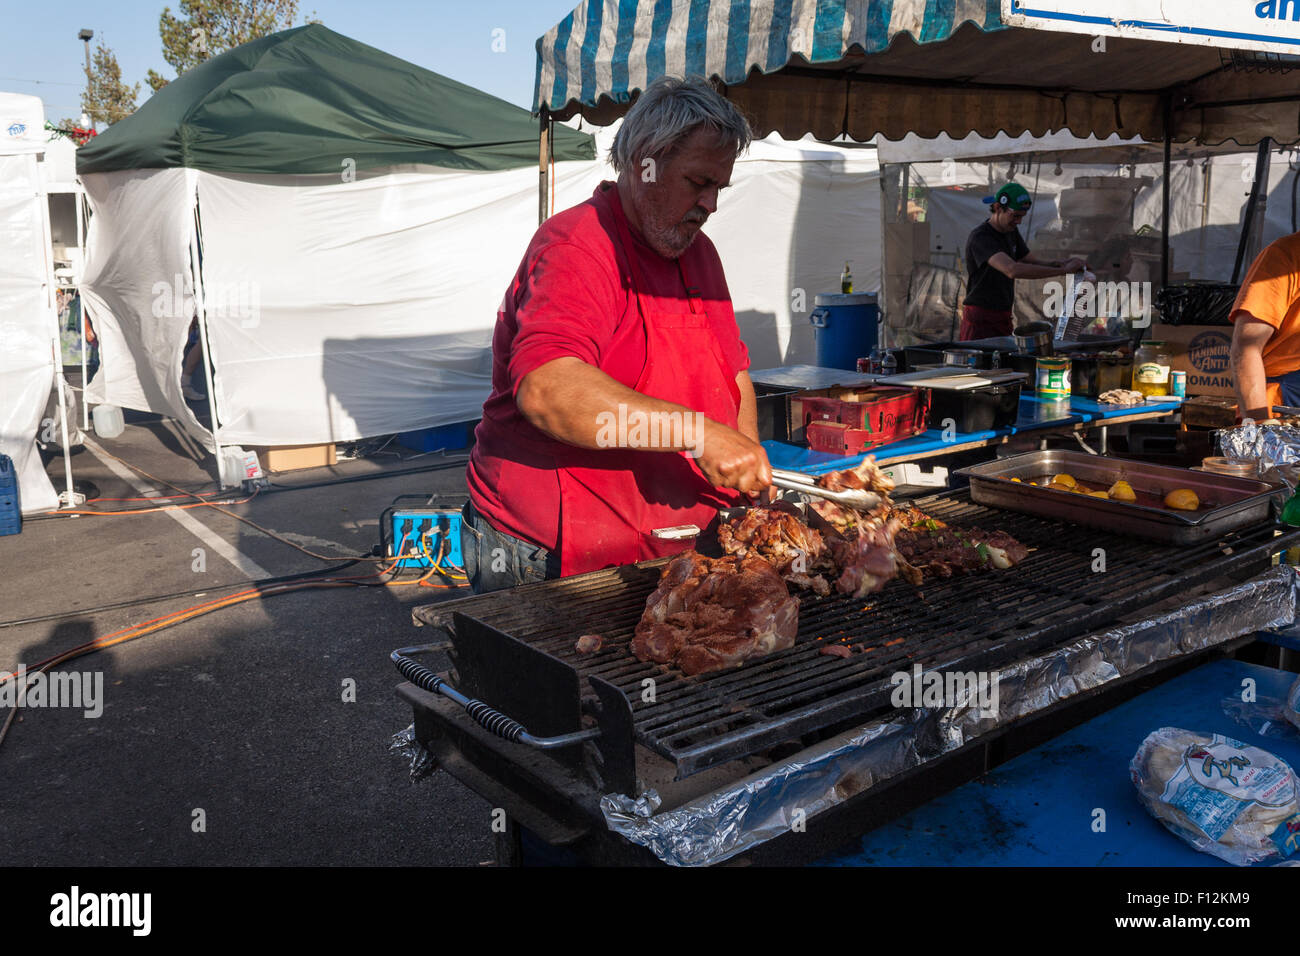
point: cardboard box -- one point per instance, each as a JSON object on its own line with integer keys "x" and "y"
{"x": 295, "y": 457}
{"x": 1202, "y": 351}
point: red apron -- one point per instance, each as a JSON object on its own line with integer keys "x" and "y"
{"x": 608, "y": 510}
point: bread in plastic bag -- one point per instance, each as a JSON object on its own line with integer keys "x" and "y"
{"x": 1223, "y": 797}
{"x": 1291, "y": 709}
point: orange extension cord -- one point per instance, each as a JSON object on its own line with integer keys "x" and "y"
{"x": 198, "y": 610}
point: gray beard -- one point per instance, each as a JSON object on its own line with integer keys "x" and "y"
{"x": 667, "y": 240}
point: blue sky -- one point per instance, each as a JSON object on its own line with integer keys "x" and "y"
{"x": 451, "y": 37}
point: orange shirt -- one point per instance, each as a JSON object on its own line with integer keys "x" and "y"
{"x": 1271, "y": 293}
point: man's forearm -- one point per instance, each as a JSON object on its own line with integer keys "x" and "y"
{"x": 1035, "y": 270}
{"x": 577, "y": 404}
{"x": 747, "y": 416}
{"x": 1251, "y": 384}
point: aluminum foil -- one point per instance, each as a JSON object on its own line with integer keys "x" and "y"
{"x": 1275, "y": 447}
{"x": 404, "y": 744}
{"x": 786, "y": 796}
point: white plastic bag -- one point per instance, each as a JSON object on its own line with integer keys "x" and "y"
{"x": 1221, "y": 796}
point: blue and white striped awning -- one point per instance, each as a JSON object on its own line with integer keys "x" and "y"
{"x": 893, "y": 67}
{"x": 613, "y": 48}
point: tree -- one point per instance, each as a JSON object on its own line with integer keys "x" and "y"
{"x": 107, "y": 99}
{"x": 208, "y": 27}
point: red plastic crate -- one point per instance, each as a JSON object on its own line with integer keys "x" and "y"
{"x": 865, "y": 419}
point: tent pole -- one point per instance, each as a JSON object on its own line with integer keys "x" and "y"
{"x": 1164, "y": 192}
{"x": 1248, "y": 224}
{"x": 543, "y": 157}
{"x": 81, "y": 309}
{"x": 69, "y": 497}
{"x": 201, "y": 314}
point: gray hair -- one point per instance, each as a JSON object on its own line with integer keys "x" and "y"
{"x": 667, "y": 112}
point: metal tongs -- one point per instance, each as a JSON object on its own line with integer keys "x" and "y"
{"x": 856, "y": 498}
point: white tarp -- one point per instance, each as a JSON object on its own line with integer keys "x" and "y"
{"x": 339, "y": 310}
{"x": 138, "y": 286}
{"x": 913, "y": 149}
{"x": 27, "y": 326}
{"x": 1207, "y": 202}
{"x": 28, "y": 323}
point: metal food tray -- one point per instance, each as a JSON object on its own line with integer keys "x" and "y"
{"x": 1233, "y": 502}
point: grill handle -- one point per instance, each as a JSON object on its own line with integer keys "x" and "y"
{"x": 483, "y": 714}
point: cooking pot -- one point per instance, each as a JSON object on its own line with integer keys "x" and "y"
{"x": 1034, "y": 337}
{"x": 966, "y": 358}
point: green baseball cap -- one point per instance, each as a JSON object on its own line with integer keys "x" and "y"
{"x": 1013, "y": 195}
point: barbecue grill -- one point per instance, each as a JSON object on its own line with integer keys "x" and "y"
{"x": 610, "y": 724}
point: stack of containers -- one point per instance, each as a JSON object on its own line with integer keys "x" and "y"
{"x": 11, "y": 515}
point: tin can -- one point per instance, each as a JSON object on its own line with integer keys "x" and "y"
{"x": 1178, "y": 384}
{"x": 1053, "y": 379}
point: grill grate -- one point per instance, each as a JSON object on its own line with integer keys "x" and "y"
{"x": 975, "y": 622}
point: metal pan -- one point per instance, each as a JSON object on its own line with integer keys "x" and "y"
{"x": 1227, "y": 502}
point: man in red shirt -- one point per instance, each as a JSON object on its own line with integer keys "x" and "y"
{"x": 621, "y": 402}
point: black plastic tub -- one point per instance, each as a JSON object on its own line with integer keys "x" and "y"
{"x": 773, "y": 403}
{"x": 975, "y": 409}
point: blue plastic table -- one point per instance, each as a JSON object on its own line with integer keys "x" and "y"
{"x": 1034, "y": 415}
{"x": 1037, "y": 810}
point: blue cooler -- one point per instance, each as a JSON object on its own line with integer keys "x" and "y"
{"x": 11, "y": 516}
{"x": 845, "y": 327}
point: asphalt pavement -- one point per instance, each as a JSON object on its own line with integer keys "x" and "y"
{"x": 254, "y": 735}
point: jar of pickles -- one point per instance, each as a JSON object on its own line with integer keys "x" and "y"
{"x": 1151, "y": 369}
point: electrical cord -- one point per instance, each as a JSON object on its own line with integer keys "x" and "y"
{"x": 135, "y": 602}
{"x": 230, "y": 514}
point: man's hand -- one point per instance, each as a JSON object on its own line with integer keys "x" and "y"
{"x": 1074, "y": 264}
{"x": 731, "y": 460}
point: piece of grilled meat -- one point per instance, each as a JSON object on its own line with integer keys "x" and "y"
{"x": 710, "y": 614}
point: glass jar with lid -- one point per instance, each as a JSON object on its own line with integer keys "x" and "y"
{"x": 1151, "y": 369}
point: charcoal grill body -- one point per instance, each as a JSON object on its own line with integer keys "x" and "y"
{"x": 684, "y": 736}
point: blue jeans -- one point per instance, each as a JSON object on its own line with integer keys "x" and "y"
{"x": 495, "y": 561}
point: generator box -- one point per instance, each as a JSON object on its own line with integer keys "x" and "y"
{"x": 420, "y": 537}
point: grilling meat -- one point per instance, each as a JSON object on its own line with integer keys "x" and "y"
{"x": 789, "y": 545}
{"x": 941, "y": 551}
{"x": 710, "y": 614}
{"x": 867, "y": 560}
{"x": 866, "y": 476}
{"x": 864, "y": 551}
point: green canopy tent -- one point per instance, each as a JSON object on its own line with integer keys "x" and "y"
{"x": 308, "y": 100}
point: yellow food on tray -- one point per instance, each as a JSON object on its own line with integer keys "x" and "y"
{"x": 1098, "y": 494}
{"x": 1065, "y": 480}
{"x": 1183, "y": 499}
{"x": 1122, "y": 491}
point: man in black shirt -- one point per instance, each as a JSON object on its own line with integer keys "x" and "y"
{"x": 996, "y": 256}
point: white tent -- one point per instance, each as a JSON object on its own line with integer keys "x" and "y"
{"x": 28, "y": 320}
